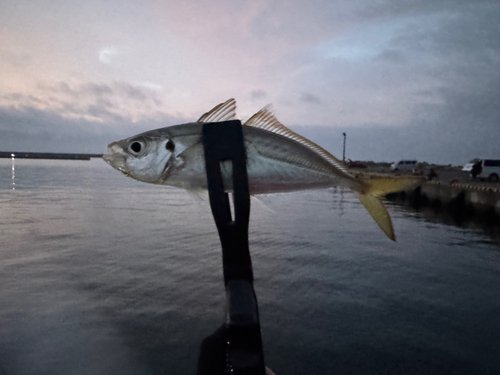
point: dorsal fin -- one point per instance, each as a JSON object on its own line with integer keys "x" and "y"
{"x": 265, "y": 119}
{"x": 222, "y": 112}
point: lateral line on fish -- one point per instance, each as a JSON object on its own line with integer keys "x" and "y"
{"x": 268, "y": 145}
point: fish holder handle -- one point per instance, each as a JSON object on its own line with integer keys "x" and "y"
{"x": 240, "y": 335}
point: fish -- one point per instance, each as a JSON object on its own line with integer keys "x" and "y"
{"x": 278, "y": 161}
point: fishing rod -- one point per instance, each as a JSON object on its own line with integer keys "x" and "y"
{"x": 236, "y": 347}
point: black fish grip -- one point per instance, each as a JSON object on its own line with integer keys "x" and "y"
{"x": 236, "y": 348}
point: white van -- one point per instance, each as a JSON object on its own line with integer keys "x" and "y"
{"x": 486, "y": 169}
{"x": 404, "y": 165}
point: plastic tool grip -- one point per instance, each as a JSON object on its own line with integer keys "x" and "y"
{"x": 223, "y": 143}
{"x": 236, "y": 348}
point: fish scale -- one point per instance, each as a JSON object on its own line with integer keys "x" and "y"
{"x": 278, "y": 160}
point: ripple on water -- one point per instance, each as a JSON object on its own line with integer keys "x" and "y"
{"x": 103, "y": 274}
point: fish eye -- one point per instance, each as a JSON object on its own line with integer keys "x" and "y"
{"x": 170, "y": 146}
{"x": 135, "y": 147}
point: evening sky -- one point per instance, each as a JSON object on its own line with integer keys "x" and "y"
{"x": 403, "y": 79}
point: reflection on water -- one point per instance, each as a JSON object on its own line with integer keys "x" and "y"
{"x": 487, "y": 223}
{"x": 13, "y": 172}
{"x": 102, "y": 274}
{"x": 338, "y": 200}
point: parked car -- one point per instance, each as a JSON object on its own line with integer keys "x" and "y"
{"x": 404, "y": 165}
{"x": 484, "y": 169}
{"x": 468, "y": 167}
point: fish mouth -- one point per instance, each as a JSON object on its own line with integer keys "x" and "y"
{"x": 117, "y": 162}
{"x": 115, "y": 157}
{"x": 108, "y": 158}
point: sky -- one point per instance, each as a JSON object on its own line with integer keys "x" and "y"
{"x": 415, "y": 79}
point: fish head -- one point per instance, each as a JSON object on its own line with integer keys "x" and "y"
{"x": 145, "y": 157}
{"x": 170, "y": 156}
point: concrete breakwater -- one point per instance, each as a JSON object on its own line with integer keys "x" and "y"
{"x": 461, "y": 200}
{"x": 47, "y": 155}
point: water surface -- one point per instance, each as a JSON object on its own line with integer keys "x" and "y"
{"x": 101, "y": 274}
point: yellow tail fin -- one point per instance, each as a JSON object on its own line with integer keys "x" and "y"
{"x": 374, "y": 190}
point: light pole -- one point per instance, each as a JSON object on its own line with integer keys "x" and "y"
{"x": 343, "y": 153}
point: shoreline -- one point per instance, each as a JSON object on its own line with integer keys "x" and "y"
{"x": 452, "y": 191}
{"x": 47, "y": 155}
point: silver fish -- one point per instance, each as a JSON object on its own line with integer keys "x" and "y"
{"x": 278, "y": 160}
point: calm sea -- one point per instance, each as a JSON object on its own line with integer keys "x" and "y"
{"x": 100, "y": 274}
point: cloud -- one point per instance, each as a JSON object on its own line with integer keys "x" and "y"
{"x": 427, "y": 67}
{"x": 431, "y": 143}
{"x": 107, "y": 54}
{"x": 150, "y": 86}
{"x": 17, "y": 59}
{"x": 258, "y": 95}
{"x": 390, "y": 56}
{"x": 31, "y": 129}
{"x": 310, "y": 98}
{"x": 91, "y": 100}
